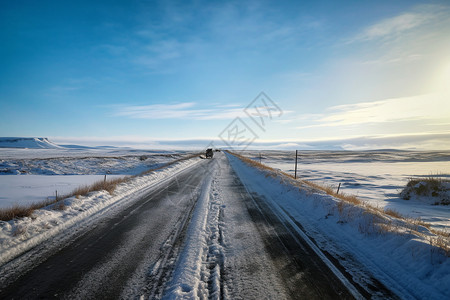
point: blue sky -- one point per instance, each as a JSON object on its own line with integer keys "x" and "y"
{"x": 344, "y": 74}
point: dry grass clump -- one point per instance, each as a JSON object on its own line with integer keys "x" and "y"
{"x": 393, "y": 213}
{"x": 101, "y": 185}
{"x": 374, "y": 219}
{"x": 21, "y": 211}
{"x": 20, "y": 230}
{"x": 432, "y": 181}
{"x": 432, "y": 186}
{"x": 16, "y": 211}
{"x": 441, "y": 243}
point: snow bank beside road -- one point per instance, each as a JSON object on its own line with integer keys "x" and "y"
{"x": 405, "y": 263}
{"x": 20, "y": 235}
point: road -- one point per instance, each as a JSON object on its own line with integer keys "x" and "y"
{"x": 199, "y": 234}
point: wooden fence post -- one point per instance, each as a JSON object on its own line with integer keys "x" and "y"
{"x": 295, "y": 174}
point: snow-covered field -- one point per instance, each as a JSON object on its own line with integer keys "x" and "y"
{"x": 27, "y": 189}
{"x": 32, "y": 175}
{"x": 80, "y": 162}
{"x": 377, "y": 177}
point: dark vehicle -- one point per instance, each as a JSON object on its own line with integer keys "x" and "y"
{"x": 209, "y": 153}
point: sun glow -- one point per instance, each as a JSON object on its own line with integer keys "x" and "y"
{"x": 443, "y": 78}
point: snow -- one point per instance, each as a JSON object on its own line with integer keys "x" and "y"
{"x": 249, "y": 270}
{"x": 19, "y": 235}
{"x": 223, "y": 239}
{"x": 31, "y": 143}
{"x": 72, "y": 162}
{"x": 221, "y": 236}
{"x": 434, "y": 192}
{"x": 376, "y": 177}
{"x": 77, "y": 167}
{"x": 186, "y": 283}
{"x": 24, "y": 190}
{"x": 403, "y": 260}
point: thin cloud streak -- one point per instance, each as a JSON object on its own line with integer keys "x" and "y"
{"x": 393, "y": 27}
{"x": 186, "y": 111}
{"x": 423, "y": 107}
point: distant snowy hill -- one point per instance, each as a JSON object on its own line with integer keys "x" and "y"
{"x": 32, "y": 143}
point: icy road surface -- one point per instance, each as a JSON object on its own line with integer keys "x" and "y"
{"x": 200, "y": 234}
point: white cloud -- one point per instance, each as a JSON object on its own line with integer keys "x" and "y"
{"x": 394, "y": 26}
{"x": 186, "y": 110}
{"x": 189, "y": 111}
{"x": 411, "y": 21}
{"x": 430, "y": 107}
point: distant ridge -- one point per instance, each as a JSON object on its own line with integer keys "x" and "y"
{"x": 29, "y": 143}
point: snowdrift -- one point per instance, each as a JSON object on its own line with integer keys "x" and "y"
{"x": 31, "y": 143}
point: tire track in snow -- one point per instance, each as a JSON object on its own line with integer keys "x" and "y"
{"x": 213, "y": 265}
{"x": 152, "y": 280}
{"x": 186, "y": 282}
{"x": 200, "y": 269}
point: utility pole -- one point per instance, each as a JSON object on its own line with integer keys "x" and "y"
{"x": 295, "y": 174}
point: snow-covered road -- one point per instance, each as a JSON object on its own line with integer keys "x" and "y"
{"x": 201, "y": 233}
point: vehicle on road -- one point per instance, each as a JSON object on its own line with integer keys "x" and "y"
{"x": 209, "y": 153}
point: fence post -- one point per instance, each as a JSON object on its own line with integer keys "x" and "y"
{"x": 295, "y": 174}
{"x": 104, "y": 180}
{"x": 56, "y": 195}
{"x": 339, "y": 187}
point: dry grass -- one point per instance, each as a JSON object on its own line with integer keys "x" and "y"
{"x": 433, "y": 181}
{"x": 441, "y": 243}
{"x": 375, "y": 220}
{"x": 21, "y": 211}
{"x": 60, "y": 205}
{"x": 393, "y": 213}
{"x": 109, "y": 185}
{"x": 20, "y": 230}
{"x": 432, "y": 186}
